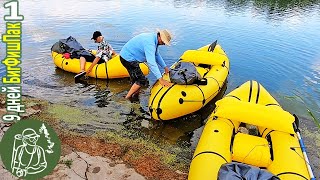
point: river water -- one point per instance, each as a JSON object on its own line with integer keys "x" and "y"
{"x": 275, "y": 42}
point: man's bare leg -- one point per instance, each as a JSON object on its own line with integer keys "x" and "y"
{"x": 134, "y": 88}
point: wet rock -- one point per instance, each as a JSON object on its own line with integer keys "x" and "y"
{"x": 243, "y": 130}
{"x": 195, "y": 137}
{"x": 145, "y": 123}
{"x": 253, "y": 130}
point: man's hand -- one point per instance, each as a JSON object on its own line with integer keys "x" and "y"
{"x": 166, "y": 70}
{"x": 165, "y": 83}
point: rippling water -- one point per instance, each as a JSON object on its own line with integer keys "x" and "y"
{"x": 275, "y": 42}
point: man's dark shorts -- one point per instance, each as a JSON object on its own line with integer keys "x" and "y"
{"x": 90, "y": 58}
{"x": 135, "y": 72}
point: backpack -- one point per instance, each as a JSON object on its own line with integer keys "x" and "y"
{"x": 72, "y": 46}
{"x": 58, "y": 47}
{"x": 184, "y": 73}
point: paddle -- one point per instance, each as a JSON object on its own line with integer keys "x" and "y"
{"x": 303, "y": 147}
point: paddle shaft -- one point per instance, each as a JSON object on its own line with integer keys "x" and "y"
{"x": 305, "y": 156}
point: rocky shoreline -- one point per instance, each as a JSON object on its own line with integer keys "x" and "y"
{"x": 104, "y": 156}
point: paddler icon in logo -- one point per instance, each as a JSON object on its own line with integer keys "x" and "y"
{"x": 30, "y": 149}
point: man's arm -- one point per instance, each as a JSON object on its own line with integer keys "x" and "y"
{"x": 160, "y": 60}
{"x": 149, "y": 51}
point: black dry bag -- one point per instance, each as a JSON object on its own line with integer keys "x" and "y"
{"x": 184, "y": 73}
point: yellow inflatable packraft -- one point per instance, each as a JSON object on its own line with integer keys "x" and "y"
{"x": 179, "y": 100}
{"x": 110, "y": 70}
{"x": 276, "y": 148}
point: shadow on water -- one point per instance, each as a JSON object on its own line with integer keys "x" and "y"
{"x": 278, "y": 5}
{"x": 285, "y": 5}
{"x": 280, "y": 9}
{"x": 270, "y": 5}
{"x": 272, "y": 9}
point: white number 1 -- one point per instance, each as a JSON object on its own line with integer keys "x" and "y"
{"x": 14, "y": 11}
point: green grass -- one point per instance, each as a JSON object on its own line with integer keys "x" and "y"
{"x": 69, "y": 114}
{"x": 141, "y": 146}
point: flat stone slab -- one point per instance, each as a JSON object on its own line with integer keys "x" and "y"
{"x": 84, "y": 166}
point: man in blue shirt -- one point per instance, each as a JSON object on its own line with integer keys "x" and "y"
{"x": 141, "y": 48}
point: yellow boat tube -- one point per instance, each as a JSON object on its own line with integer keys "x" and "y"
{"x": 179, "y": 100}
{"x": 109, "y": 70}
{"x": 276, "y": 149}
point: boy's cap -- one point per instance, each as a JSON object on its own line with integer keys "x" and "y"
{"x": 96, "y": 34}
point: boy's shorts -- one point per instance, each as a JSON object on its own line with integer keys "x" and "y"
{"x": 90, "y": 58}
{"x": 135, "y": 72}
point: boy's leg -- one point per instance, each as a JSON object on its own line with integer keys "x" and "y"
{"x": 82, "y": 68}
{"x": 82, "y": 64}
